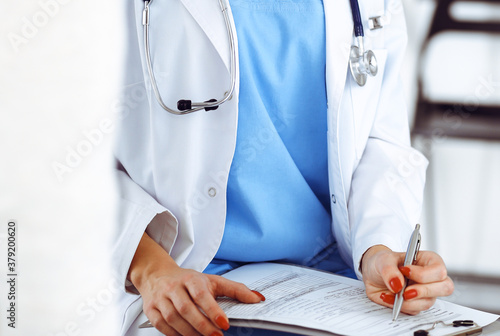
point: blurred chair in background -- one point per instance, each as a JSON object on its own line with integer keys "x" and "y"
{"x": 437, "y": 118}
{"x": 456, "y": 116}
{"x": 479, "y": 121}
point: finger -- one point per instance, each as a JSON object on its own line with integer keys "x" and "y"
{"x": 157, "y": 321}
{"x": 224, "y": 287}
{"x": 383, "y": 299}
{"x": 388, "y": 298}
{"x": 426, "y": 271}
{"x": 431, "y": 290}
{"x": 206, "y": 301}
{"x": 416, "y": 306}
{"x": 409, "y": 307}
{"x": 428, "y": 258}
{"x": 173, "y": 318}
{"x": 388, "y": 270}
{"x": 235, "y": 290}
{"x": 186, "y": 307}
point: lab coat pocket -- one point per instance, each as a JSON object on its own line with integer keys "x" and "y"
{"x": 365, "y": 101}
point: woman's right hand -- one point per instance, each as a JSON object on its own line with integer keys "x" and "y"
{"x": 173, "y": 296}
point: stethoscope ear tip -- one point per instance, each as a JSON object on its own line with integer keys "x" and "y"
{"x": 184, "y": 104}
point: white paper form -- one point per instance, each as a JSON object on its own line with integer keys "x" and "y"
{"x": 313, "y": 299}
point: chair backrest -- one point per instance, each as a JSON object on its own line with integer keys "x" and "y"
{"x": 456, "y": 119}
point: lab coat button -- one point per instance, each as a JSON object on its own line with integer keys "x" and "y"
{"x": 334, "y": 199}
{"x": 212, "y": 192}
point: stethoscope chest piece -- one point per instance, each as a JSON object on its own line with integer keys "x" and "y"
{"x": 362, "y": 64}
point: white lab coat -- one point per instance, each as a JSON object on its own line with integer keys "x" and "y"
{"x": 175, "y": 168}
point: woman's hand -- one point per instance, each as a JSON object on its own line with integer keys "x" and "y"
{"x": 383, "y": 273}
{"x": 180, "y": 301}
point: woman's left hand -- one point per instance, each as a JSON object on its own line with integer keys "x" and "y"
{"x": 383, "y": 273}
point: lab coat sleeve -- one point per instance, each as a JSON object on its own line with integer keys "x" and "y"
{"x": 139, "y": 210}
{"x": 386, "y": 193}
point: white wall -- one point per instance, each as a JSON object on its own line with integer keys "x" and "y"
{"x": 60, "y": 68}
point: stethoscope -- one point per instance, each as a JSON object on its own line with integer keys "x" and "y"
{"x": 362, "y": 63}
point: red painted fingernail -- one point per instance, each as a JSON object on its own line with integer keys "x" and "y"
{"x": 387, "y": 298}
{"x": 216, "y": 333}
{"x": 410, "y": 294}
{"x": 222, "y": 322}
{"x": 396, "y": 285}
{"x": 262, "y": 298}
{"x": 405, "y": 270}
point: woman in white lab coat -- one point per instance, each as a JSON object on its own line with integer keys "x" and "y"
{"x": 173, "y": 170}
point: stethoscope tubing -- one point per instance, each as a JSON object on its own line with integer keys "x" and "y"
{"x": 356, "y": 17}
{"x": 195, "y": 106}
{"x": 358, "y": 55}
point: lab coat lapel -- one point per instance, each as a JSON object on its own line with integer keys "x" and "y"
{"x": 339, "y": 35}
{"x": 339, "y": 30}
{"x": 211, "y": 20}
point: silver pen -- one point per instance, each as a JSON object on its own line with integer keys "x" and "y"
{"x": 411, "y": 256}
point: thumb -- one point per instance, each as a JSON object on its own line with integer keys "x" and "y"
{"x": 235, "y": 290}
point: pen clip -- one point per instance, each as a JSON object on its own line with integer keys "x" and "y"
{"x": 417, "y": 248}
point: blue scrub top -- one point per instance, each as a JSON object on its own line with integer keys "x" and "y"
{"x": 278, "y": 205}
